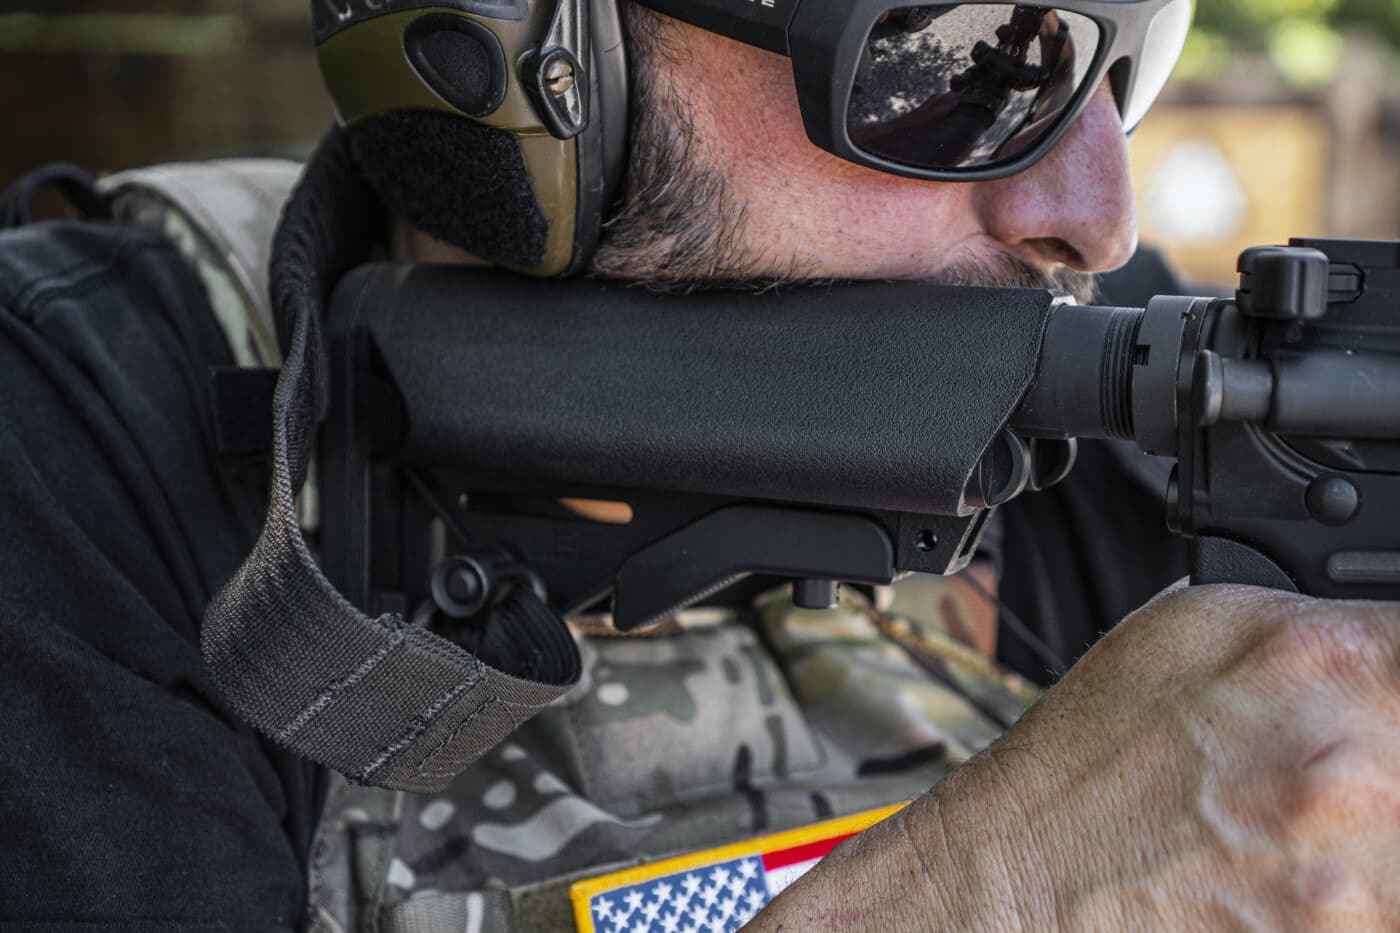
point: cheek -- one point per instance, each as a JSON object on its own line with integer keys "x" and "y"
{"x": 802, "y": 200}
{"x": 746, "y": 116}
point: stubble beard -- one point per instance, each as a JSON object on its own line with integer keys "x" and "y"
{"x": 679, "y": 226}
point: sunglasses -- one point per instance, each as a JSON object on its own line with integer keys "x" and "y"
{"x": 953, "y": 92}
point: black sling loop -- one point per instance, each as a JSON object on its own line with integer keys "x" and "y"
{"x": 72, "y": 182}
{"x": 380, "y": 700}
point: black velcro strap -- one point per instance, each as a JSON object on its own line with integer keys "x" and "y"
{"x": 377, "y": 699}
{"x": 243, "y": 409}
{"x": 413, "y": 160}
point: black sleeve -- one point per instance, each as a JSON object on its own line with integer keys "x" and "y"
{"x": 1080, "y": 556}
{"x": 128, "y": 792}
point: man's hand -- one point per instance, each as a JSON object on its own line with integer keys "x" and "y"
{"x": 1226, "y": 756}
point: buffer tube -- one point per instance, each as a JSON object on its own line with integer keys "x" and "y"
{"x": 1127, "y": 373}
{"x": 1114, "y": 372}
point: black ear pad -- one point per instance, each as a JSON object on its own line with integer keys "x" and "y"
{"x": 458, "y": 180}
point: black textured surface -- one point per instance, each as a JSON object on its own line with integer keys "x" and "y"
{"x": 1220, "y": 560}
{"x": 869, "y": 395}
{"x": 461, "y": 181}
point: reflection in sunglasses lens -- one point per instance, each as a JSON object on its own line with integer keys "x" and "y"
{"x": 966, "y": 85}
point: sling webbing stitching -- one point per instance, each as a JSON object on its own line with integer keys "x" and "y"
{"x": 374, "y": 698}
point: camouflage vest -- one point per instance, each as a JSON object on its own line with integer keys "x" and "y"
{"x": 720, "y": 726}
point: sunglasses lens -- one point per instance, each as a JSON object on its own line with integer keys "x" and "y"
{"x": 967, "y": 86}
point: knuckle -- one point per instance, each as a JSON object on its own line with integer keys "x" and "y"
{"x": 1338, "y": 790}
{"x": 1325, "y": 646}
{"x": 1324, "y": 893}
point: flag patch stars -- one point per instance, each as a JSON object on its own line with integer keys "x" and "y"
{"x": 716, "y": 899}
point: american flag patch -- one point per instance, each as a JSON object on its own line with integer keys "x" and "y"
{"x": 712, "y": 891}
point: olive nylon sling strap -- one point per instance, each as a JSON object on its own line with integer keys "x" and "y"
{"x": 381, "y": 700}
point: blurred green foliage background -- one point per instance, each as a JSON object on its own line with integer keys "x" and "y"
{"x": 1303, "y": 39}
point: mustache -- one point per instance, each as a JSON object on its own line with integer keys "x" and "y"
{"x": 1005, "y": 270}
{"x": 1010, "y": 271}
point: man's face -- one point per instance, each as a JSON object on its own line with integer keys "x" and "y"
{"x": 724, "y": 187}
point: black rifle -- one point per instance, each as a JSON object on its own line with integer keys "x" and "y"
{"x": 849, "y": 433}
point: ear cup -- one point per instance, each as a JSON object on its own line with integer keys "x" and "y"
{"x": 458, "y": 180}
{"x": 445, "y": 128}
{"x": 460, "y": 59}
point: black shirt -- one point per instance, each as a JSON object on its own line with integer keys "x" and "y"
{"x": 127, "y": 790}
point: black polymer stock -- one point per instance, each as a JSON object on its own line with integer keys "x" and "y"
{"x": 850, "y": 433}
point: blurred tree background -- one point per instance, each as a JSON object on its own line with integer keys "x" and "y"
{"x": 1283, "y": 117}
{"x": 111, "y": 84}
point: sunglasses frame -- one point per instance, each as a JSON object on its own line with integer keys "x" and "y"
{"x": 825, "y": 39}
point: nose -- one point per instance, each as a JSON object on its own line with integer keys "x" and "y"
{"x": 1074, "y": 206}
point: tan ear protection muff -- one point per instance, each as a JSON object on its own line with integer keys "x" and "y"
{"x": 498, "y": 126}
